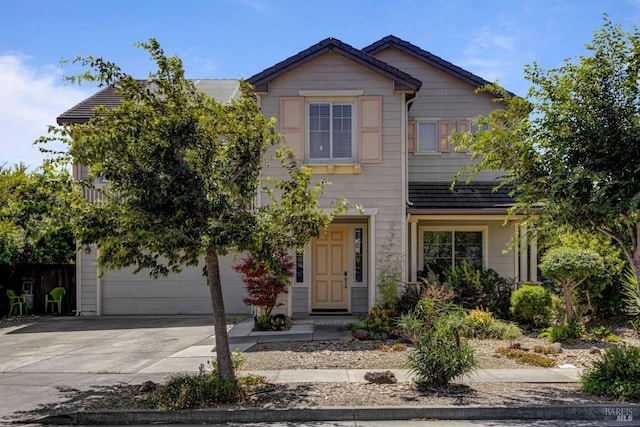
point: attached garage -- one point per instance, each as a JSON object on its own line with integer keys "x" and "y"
{"x": 125, "y": 293}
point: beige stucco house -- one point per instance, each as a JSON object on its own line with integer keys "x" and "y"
{"x": 373, "y": 122}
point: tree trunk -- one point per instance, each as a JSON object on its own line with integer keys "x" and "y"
{"x": 635, "y": 262}
{"x": 567, "y": 289}
{"x": 223, "y": 353}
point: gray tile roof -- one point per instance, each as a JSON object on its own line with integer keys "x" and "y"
{"x": 392, "y": 41}
{"x": 402, "y": 81}
{"x": 223, "y": 90}
{"x": 438, "y": 196}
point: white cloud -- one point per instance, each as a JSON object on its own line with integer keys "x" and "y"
{"x": 495, "y": 54}
{"x": 31, "y": 99}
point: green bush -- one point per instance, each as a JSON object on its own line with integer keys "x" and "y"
{"x": 473, "y": 286}
{"x": 566, "y": 332}
{"x": 440, "y": 358}
{"x": 377, "y": 323}
{"x": 482, "y": 324}
{"x": 440, "y": 354}
{"x": 531, "y": 306}
{"x": 202, "y": 390}
{"x": 616, "y": 375}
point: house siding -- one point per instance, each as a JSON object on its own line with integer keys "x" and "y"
{"x": 377, "y": 185}
{"x": 445, "y": 98}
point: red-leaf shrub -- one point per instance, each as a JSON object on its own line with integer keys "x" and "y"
{"x": 263, "y": 284}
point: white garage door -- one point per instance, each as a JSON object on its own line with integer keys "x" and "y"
{"x": 186, "y": 293}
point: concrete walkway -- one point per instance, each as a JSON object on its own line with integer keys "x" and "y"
{"x": 39, "y": 361}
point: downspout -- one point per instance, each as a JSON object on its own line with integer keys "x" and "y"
{"x": 405, "y": 184}
{"x": 98, "y": 288}
{"x": 79, "y": 263}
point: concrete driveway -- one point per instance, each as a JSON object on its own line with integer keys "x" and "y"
{"x": 39, "y": 361}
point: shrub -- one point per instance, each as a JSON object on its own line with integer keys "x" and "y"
{"x": 440, "y": 355}
{"x": 473, "y": 286}
{"x": 377, "y": 323}
{"x": 202, "y": 390}
{"x": 265, "y": 284}
{"x": 531, "y": 306}
{"x": 523, "y": 357}
{"x": 616, "y": 375}
{"x": 547, "y": 349}
{"x": 440, "y": 358}
{"x": 482, "y": 324}
{"x": 566, "y": 332}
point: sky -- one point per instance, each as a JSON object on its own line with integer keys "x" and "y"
{"x": 231, "y": 39}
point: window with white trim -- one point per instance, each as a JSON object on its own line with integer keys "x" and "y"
{"x": 331, "y": 131}
{"x": 427, "y": 136}
{"x": 443, "y": 249}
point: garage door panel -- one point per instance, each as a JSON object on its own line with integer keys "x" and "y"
{"x": 184, "y": 293}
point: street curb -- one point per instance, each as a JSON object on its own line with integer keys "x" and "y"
{"x": 629, "y": 414}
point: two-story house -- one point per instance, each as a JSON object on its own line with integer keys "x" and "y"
{"x": 374, "y": 122}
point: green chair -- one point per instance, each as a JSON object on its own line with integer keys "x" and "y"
{"x": 16, "y": 303}
{"x": 54, "y": 298}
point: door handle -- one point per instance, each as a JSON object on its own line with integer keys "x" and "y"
{"x": 345, "y": 280}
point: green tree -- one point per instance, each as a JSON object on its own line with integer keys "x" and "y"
{"x": 570, "y": 267}
{"x": 183, "y": 172}
{"x": 569, "y": 150}
{"x": 35, "y": 211}
{"x": 599, "y": 294}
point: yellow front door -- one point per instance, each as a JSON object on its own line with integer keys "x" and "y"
{"x": 330, "y": 279}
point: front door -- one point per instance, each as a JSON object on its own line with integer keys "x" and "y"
{"x": 329, "y": 288}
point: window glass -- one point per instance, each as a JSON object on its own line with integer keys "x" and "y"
{"x": 330, "y": 131}
{"x": 299, "y": 267}
{"x": 442, "y": 249}
{"x": 427, "y": 137}
{"x": 357, "y": 245}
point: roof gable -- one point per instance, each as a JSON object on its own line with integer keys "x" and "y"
{"x": 392, "y": 41}
{"x": 403, "y": 82}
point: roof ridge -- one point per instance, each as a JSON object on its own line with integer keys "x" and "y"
{"x": 428, "y": 57}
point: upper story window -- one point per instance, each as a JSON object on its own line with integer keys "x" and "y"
{"x": 330, "y": 131}
{"x": 427, "y": 136}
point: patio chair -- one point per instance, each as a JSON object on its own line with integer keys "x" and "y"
{"x": 16, "y": 303}
{"x": 54, "y": 298}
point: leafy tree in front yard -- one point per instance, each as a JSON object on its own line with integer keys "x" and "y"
{"x": 183, "y": 172}
{"x": 570, "y": 149}
{"x": 570, "y": 267}
{"x": 35, "y": 211}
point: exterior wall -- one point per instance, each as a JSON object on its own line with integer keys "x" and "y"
{"x": 441, "y": 97}
{"x": 376, "y": 187}
{"x": 497, "y": 241}
{"x": 124, "y": 292}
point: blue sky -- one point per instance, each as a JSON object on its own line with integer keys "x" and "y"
{"x": 494, "y": 39}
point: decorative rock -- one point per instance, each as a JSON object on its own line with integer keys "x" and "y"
{"x": 347, "y": 340}
{"x": 385, "y": 377}
{"x": 147, "y": 386}
{"x": 594, "y": 350}
{"x": 361, "y": 334}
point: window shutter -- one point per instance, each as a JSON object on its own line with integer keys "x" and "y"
{"x": 292, "y": 124}
{"x": 443, "y": 134}
{"x": 370, "y": 129}
{"x": 411, "y": 136}
{"x": 462, "y": 127}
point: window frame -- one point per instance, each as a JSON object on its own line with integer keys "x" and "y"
{"x": 331, "y": 159}
{"x": 435, "y": 126}
{"x": 484, "y": 229}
